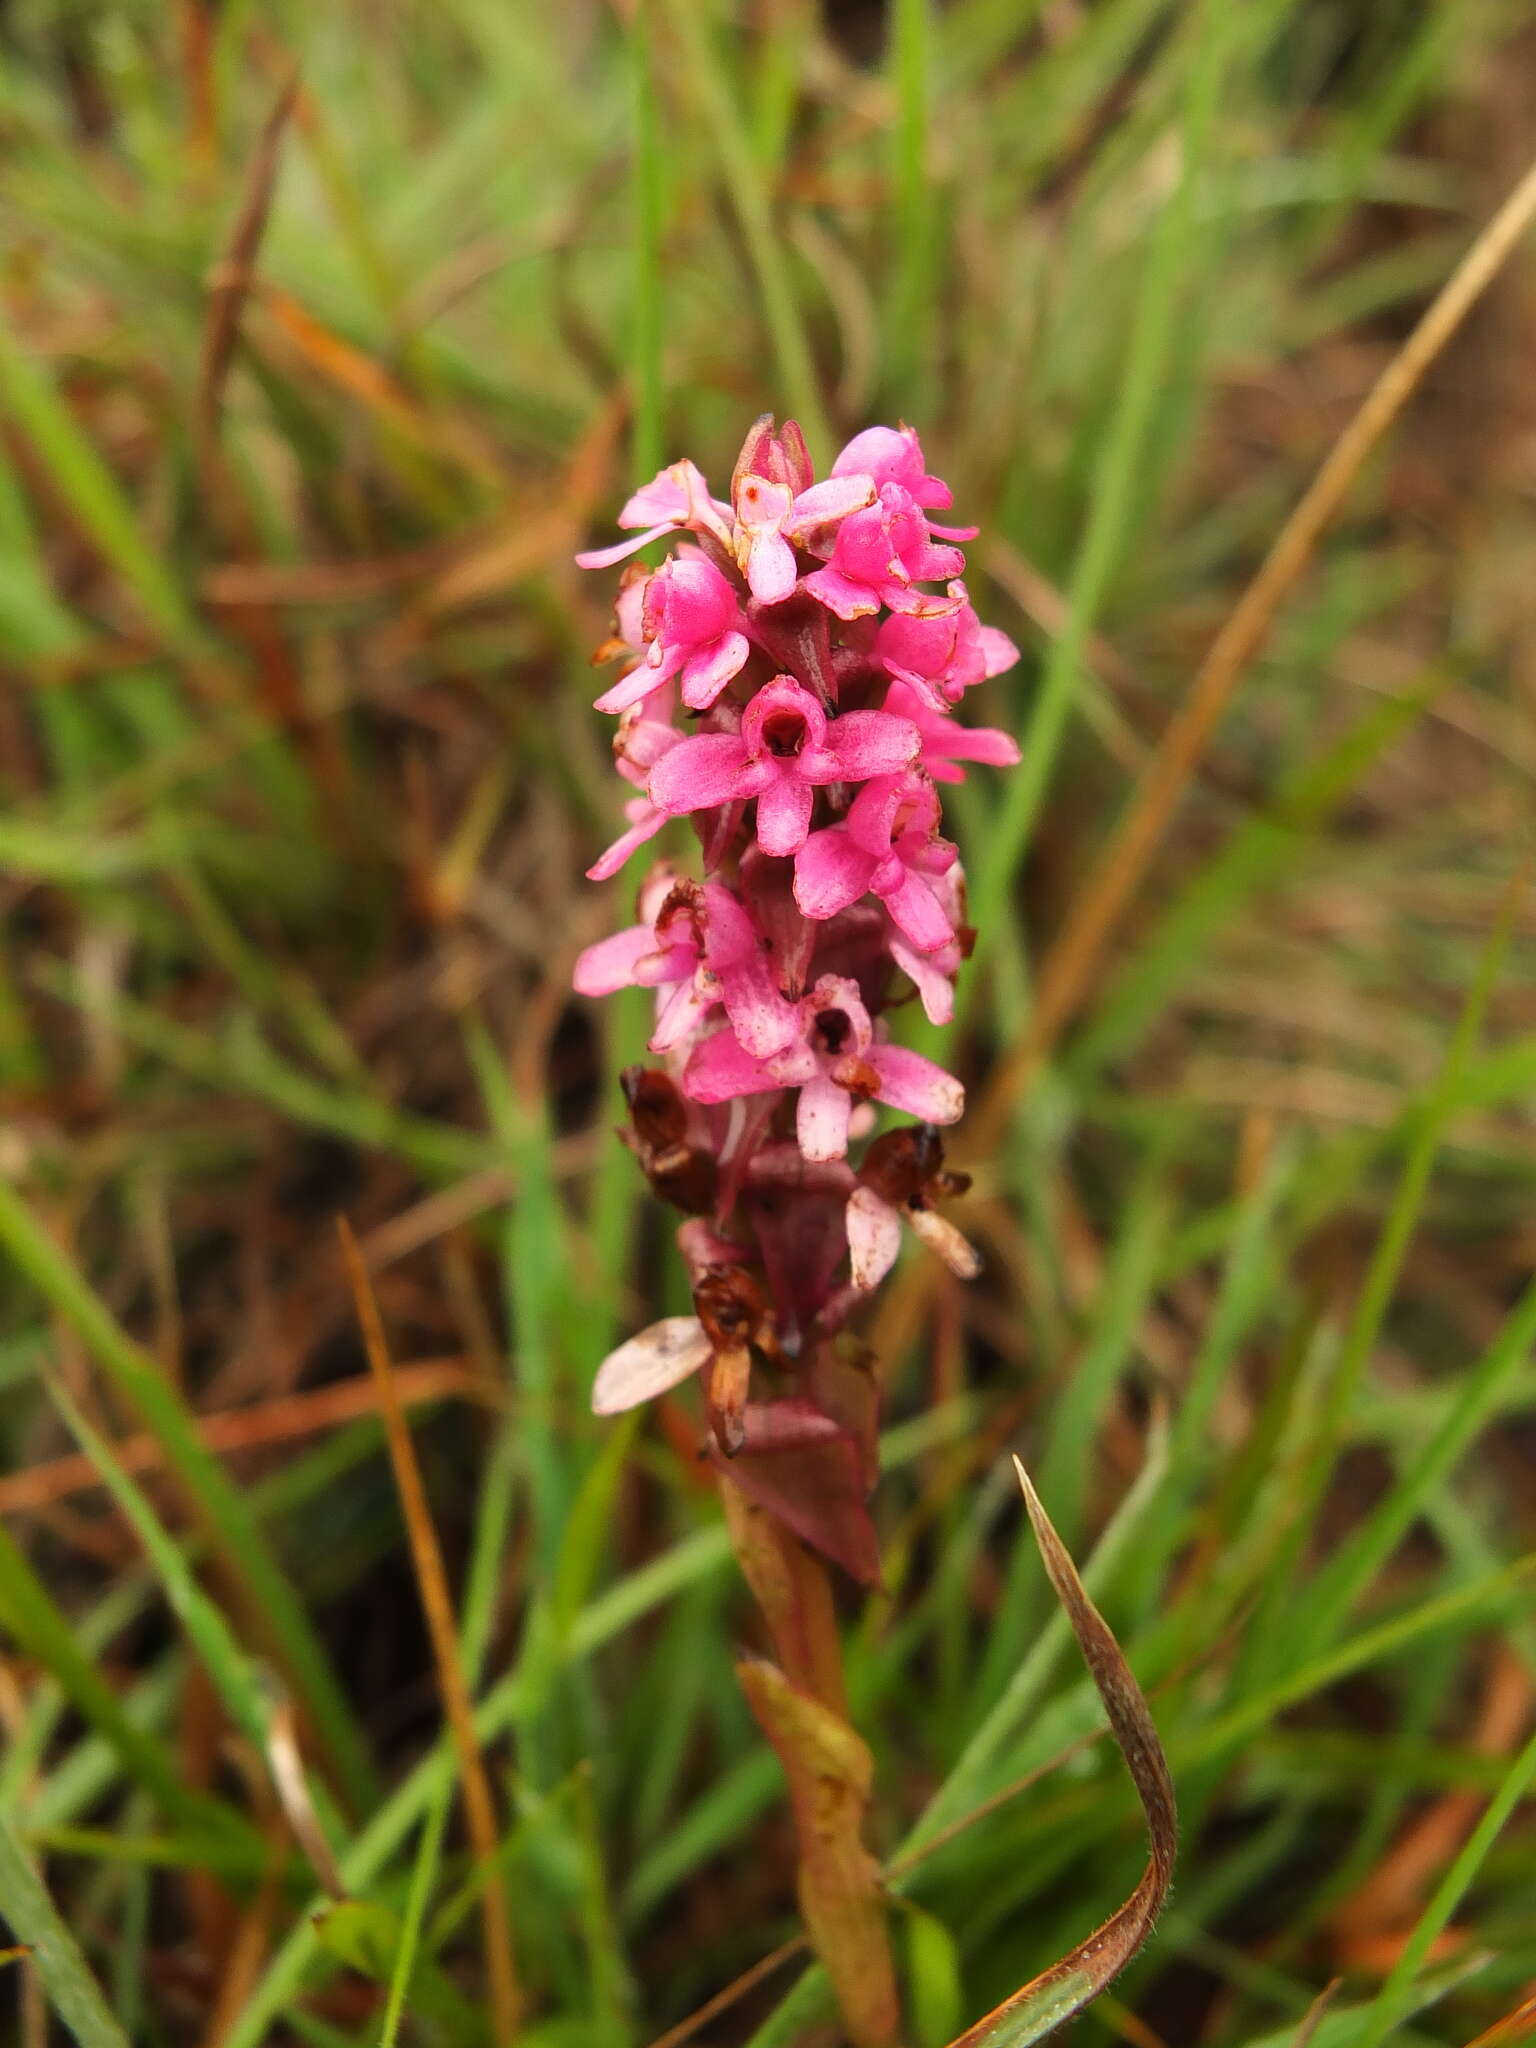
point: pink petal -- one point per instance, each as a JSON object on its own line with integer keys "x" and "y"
{"x": 909, "y": 1082}
{"x": 648, "y": 822}
{"x": 840, "y": 594}
{"x": 984, "y": 743}
{"x": 707, "y": 672}
{"x": 821, "y": 1118}
{"x": 660, "y": 1358}
{"x": 830, "y": 873}
{"x": 610, "y": 965}
{"x": 604, "y": 558}
{"x": 760, "y": 1017}
{"x": 952, "y": 532}
{"x": 873, "y": 743}
{"x": 934, "y": 987}
{"x": 697, "y": 774}
{"x": 874, "y": 1237}
{"x": 918, "y": 912}
{"x": 998, "y": 651}
{"x": 719, "y": 1069}
{"x": 639, "y": 682}
{"x": 784, "y": 815}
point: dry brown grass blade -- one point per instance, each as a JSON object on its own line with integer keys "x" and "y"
{"x": 1516, "y": 2026}
{"x": 36, "y": 1487}
{"x": 232, "y": 280}
{"x": 1115, "y": 874}
{"x": 1313, "y": 2017}
{"x": 738, "y": 1988}
{"x": 437, "y": 1604}
{"x": 1043, "y": 2004}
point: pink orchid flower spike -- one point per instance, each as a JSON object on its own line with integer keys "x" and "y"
{"x": 786, "y": 749}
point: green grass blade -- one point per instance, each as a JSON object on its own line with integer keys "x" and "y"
{"x": 71, "y": 1989}
{"x": 232, "y": 1528}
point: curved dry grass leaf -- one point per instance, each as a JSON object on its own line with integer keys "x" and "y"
{"x": 1049, "y": 1999}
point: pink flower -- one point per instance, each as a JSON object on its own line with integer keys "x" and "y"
{"x": 946, "y": 742}
{"x": 888, "y": 844}
{"x": 879, "y": 554}
{"x": 941, "y": 648}
{"x": 692, "y": 622}
{"x": 697, "y": 946}
{"x": 675, "y": 497}
{"x": 787, "y": 747}
{"x": 894, "y": 455}
{"x": 638, "y": 745}
{"x": 770, "y": 516}
{"x": 835, "y": 1062}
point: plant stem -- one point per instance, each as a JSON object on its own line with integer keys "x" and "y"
{"x": 801, "y": 1704}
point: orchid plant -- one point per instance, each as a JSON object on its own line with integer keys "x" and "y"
{"x": 790, "y": 682}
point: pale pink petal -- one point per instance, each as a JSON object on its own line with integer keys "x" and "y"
{"x": 917, "y": 911}
{"x": 910, "y": 1082}
{"x": 830, "y": 873}
{"x": 611, "y": 964}
{"x": 985, "y": 743}
{"x": 604, "y": 558}
{"x": 873, "y": 743}
{"x": 642, "y": 745}
{"x": 821, "y": 1118}
{"x": 832, "y": 499}
{"x": 784, "y": 815}
{"x": 658, "y": 1359}
{"x": 719, "y": 1069}
{"x": 874, "y": 1237}
{"x": 648, "y": 821}
{"x": 697, "y": 774}
{"x": 706, "y": 673}
{"x": 680, "y": 1014}
{"x": 770, "y": 567}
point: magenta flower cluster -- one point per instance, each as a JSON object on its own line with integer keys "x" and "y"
{"x": 790, "y": 681}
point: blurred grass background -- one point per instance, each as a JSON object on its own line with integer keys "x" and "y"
{"x": 308, "y": 399}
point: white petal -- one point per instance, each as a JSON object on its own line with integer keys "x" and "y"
{"x": 874, "y": 1237}
{"x": 941, "y": 1236}
{"x": 660, "y": 1357}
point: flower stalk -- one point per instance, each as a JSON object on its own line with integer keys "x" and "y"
{"x": 788, "y": 681}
